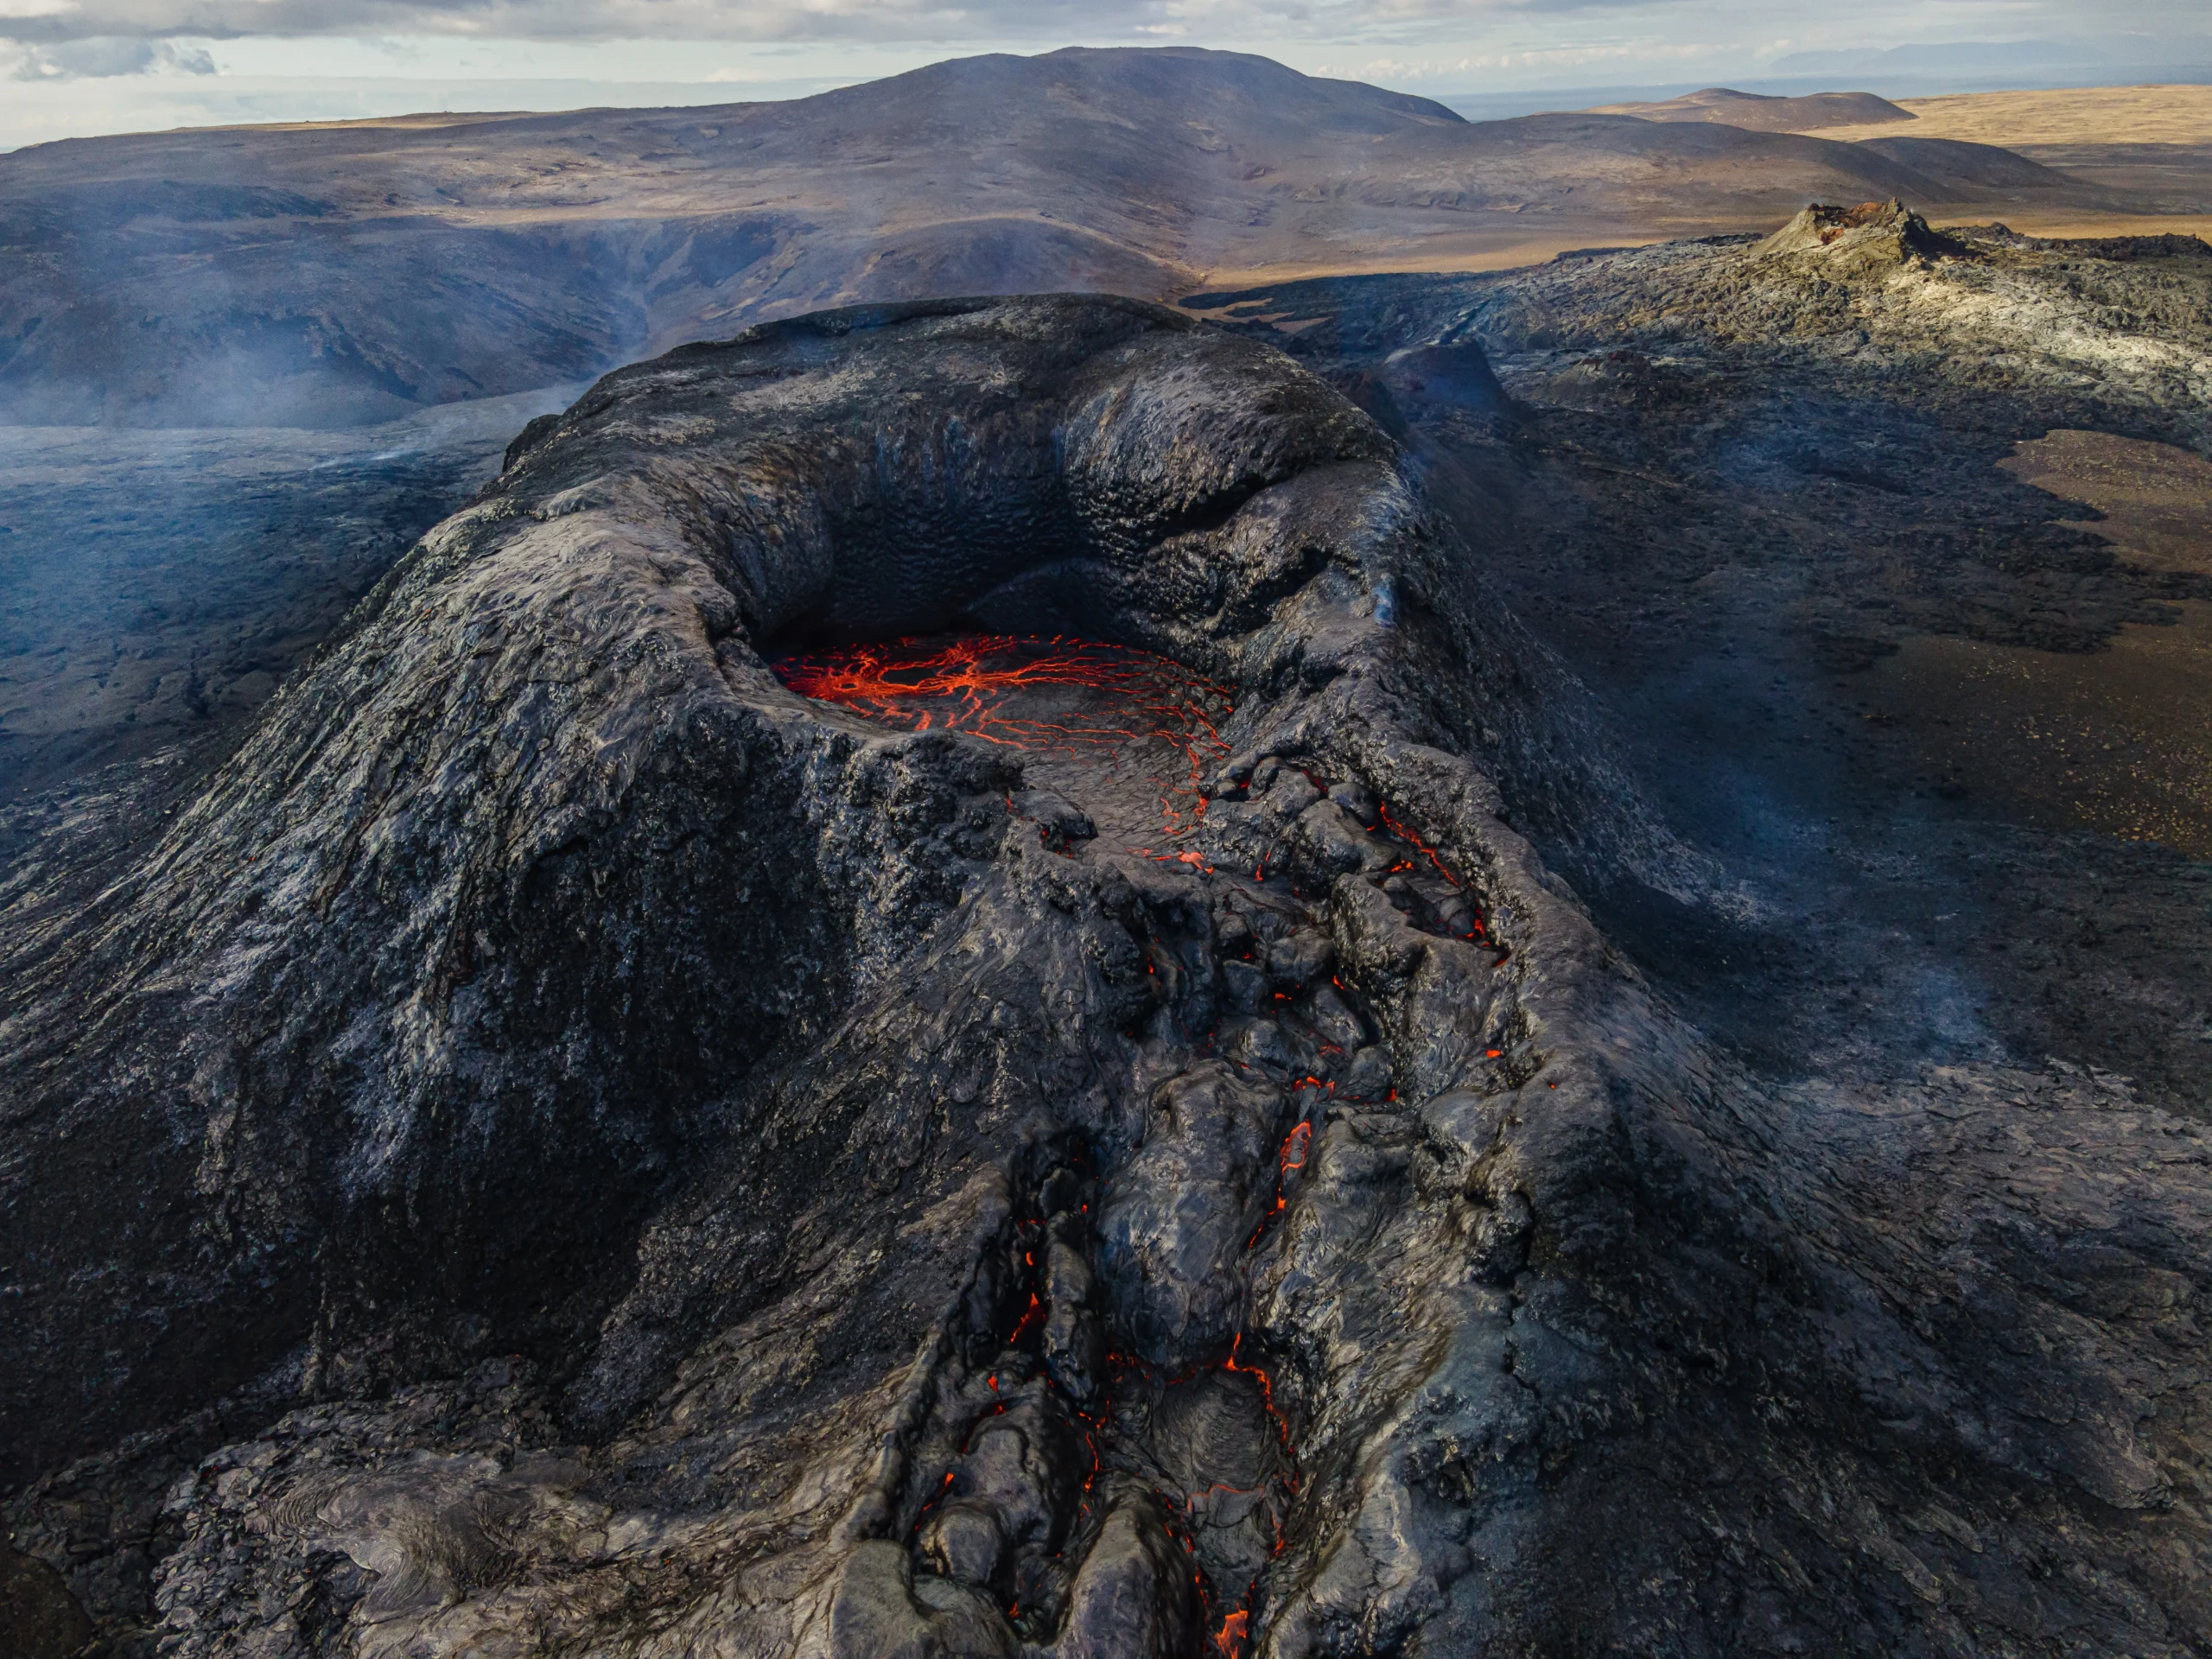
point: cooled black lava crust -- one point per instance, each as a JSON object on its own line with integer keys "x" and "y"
{"x": 619, "y": 1155}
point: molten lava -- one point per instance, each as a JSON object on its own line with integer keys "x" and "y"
{"x": 1098, "y": 704}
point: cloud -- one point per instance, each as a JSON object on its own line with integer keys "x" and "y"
{"x": 41, "y": 20}
{"x": 750, "y": 21}
{"x": 99, "y": 57}
{"x": 1438, "y": 26}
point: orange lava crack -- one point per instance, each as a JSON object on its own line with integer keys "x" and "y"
{"x": 1003, "y": 689}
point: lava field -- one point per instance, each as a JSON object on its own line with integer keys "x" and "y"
{"x": 905, "y": 996}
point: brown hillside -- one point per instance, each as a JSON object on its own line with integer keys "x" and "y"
{"x": 1758, "y": 114}
{"x": 346, "y": 273}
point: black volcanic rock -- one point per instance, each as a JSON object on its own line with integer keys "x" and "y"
{"x": 591, "y": 1149}
{"x": 160, "y": 584}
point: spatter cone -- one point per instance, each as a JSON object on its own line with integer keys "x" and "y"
{"x": 568, "y": 1141}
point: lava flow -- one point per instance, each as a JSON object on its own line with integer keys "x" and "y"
{"x": 1106, "y": 707}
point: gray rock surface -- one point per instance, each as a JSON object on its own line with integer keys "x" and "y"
{"x": 619, "y": 1157}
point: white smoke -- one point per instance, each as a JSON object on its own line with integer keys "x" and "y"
{"x": 100, "y": 57}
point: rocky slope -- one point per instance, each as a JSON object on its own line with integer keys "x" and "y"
{"x": 624, "y": 1156}
{"x": 353, "y": 273}
{"x": 2152, "y": 143}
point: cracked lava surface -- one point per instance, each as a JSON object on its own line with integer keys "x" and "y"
{"x": 626, "y": 1158}
{"x": 1133, "y": 742}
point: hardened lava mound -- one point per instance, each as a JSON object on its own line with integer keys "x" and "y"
{"x": 885, "y": 1007}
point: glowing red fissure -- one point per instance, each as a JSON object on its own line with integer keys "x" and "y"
{"x": 1398, "y": 829}
{"x": 1267, "y": 1387}
{"x": 1002, "y": 688}
{"x": 1236, "y": 1626}
{"x": 1295, "y": 1146}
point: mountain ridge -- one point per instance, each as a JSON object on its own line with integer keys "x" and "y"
{"x": 344, "y": 275}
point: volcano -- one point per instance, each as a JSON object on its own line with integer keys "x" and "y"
{"x": 896, "y": 1000}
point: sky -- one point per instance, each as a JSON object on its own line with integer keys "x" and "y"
{"x": 73, "y": 68}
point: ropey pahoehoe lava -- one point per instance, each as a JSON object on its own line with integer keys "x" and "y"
{"x": 886, "y": 1005}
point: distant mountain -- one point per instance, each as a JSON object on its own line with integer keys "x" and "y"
{"x": 1759, "y": 112}
{"x": 346, "y": 273}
